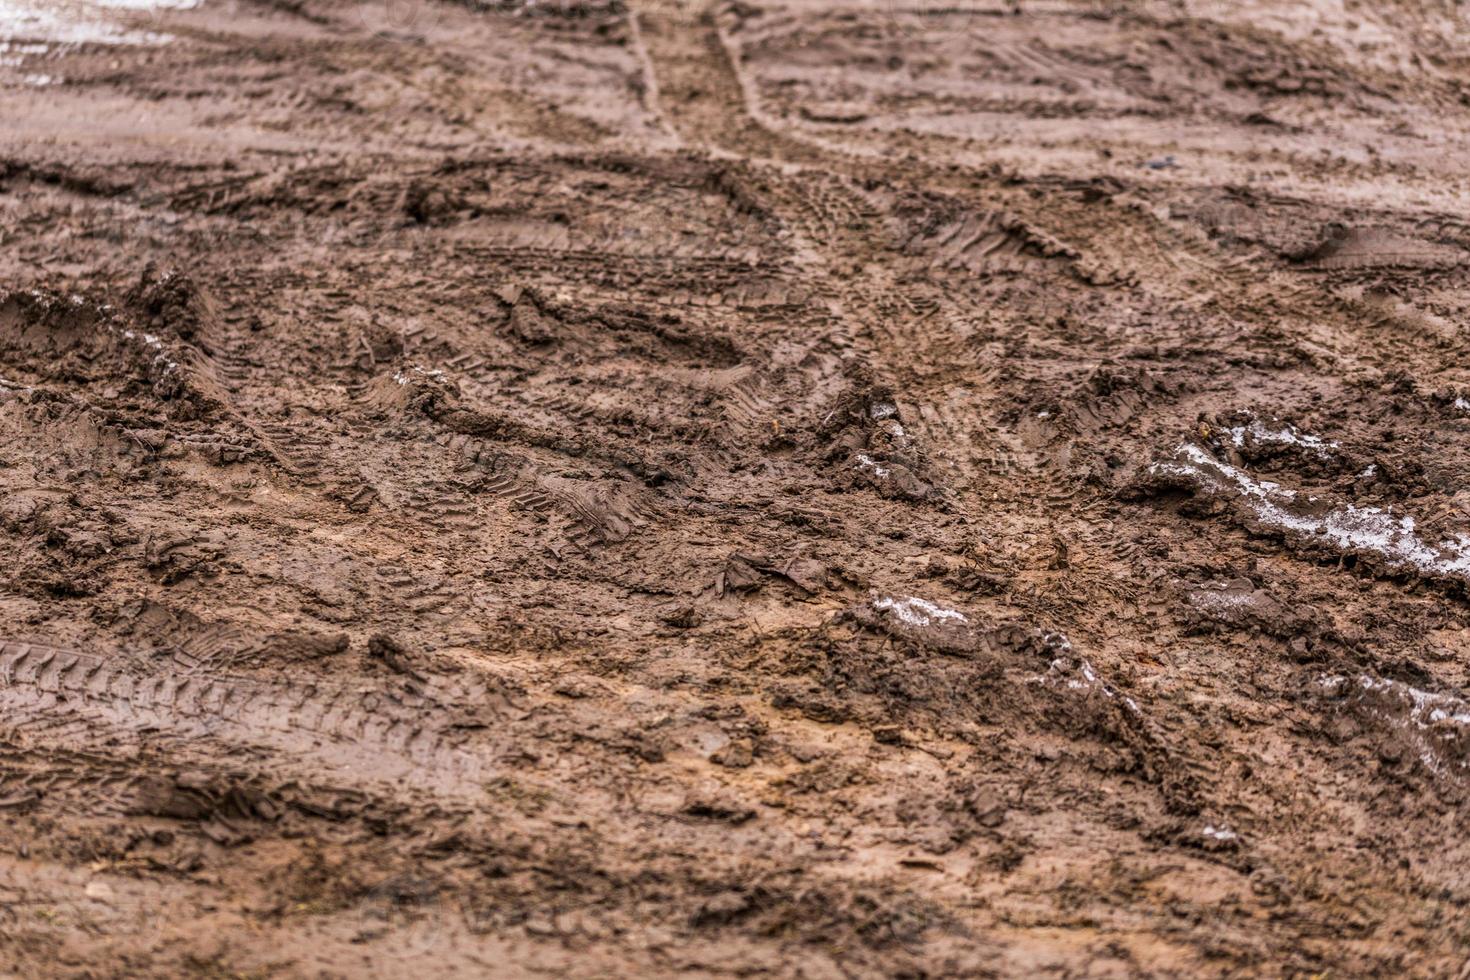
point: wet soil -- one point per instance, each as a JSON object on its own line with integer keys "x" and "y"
{"x": 645, "y": 488}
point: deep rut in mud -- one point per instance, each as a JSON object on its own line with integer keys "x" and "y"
{"x": 636, "y": 488}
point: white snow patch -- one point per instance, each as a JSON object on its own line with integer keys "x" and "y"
{"x": 896, "y": 433}
{"x": 1287, "y": 435}
{"x": 147, "y": 4}
{"x": 1371, "y": 530}
{"x": 1425, "y": 717}
{"x": 75, "y": 22}
{"x": 913, "y": 611}
{"x": 879, "y": 411}
{"x": 1077, "y": 674}
{"x": 866, "y": 462}
{"x": 1220, "y": 600}
{"x": 1057, "y": 642}
{"x": 152, "y": 342}
{"x": 14, "y": 53}
{"x": 416, "y": 369}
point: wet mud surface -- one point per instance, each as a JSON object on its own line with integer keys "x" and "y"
{"x": 635, "y": 488}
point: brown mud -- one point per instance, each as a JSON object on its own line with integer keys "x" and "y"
{"x": 636, "y": 488}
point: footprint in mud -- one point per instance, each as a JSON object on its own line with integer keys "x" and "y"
{"x": 1237, "y": 602}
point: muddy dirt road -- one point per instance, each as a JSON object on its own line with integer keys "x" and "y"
{"x": 645, "y": 488}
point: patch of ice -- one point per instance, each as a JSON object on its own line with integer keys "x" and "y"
{"x": 913, "y": 611}
{"x": 1220, "y": 833}
{"x": 1462, "y": 404}
{"x": 1369, "y": 530}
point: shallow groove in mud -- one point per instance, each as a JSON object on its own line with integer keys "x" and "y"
{"x": 341, "y": 728}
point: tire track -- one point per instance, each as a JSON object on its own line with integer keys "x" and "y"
{"x": 356, "y": 735}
